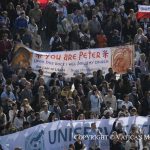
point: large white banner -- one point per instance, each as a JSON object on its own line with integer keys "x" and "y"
{"x": 71, "y": 63}
{"x": 58, "y": 135}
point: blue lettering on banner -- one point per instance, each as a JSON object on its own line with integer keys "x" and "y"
{"x": 86, "y": 130}
{"x": 77, "y": 130}
{"x": 52, "y": 141}
{"x": 49, "y": 62}
{"x": 62, "y": 135}
{"x": 38, "y": 61}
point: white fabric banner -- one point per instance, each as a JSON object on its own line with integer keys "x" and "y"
{"x": 58, "y": 135}
{"x": 144, "y": 8}
{"x": 71, "y": 63}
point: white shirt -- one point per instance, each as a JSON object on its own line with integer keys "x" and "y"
{"x": 18, "y": 122}
{"x": 127, "y": 104}
{"x": 12, "y": 115}
{"x": 52, "y": 40}
{"x": 32, "y": 28}
{"x": 44, "y": 115}
{"x": 112, "y": 100}
{"x": 95, "y": 103}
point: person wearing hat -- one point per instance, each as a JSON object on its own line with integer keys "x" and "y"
{"x": 107, "y": 114}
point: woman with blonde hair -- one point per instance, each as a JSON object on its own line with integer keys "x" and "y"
{"x": 40, "y": 93}
{"x": 25, "y": 107}
{"x": 143, "y": 64}
{"x": 139, "y": 37}
{"x": 81, "y": 117}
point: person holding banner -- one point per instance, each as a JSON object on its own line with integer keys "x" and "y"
{"x": 94, "y": 144}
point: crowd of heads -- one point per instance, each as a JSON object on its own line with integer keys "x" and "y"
{"x": 28, "y": 99}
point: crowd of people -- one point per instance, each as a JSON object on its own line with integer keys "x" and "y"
{"x": 26, "y": 99}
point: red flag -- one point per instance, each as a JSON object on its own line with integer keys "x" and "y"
{"x": 143, "y": 12}
{"x": 43, "y": 3}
